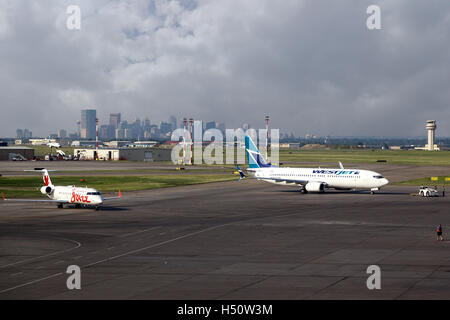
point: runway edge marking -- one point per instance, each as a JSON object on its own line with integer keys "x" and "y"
{"x": 119, "y": 256}
{"x": 78, "y": 244}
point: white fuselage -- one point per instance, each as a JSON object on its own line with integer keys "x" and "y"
{"x": 72, "y": 194}
{"x": 331, "y": 178}
{"x": 54, "y": 145}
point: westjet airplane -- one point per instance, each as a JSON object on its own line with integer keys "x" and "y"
{"x": 67, "y": 194}
{"x": 310, "y": 179}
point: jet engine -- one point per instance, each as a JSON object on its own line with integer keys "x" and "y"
{"x": 47, "y": 190}
{"x": 315, "y": 186}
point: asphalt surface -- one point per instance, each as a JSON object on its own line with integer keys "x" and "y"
{"x": 232, "y": 240}
{"x": 395, "y": 173}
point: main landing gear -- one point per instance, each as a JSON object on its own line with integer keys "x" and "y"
{"x": 60, "y": 205}
{"x": 303, "y": 190}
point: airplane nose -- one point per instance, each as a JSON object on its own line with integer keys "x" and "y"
{"x": 386, "y": 181}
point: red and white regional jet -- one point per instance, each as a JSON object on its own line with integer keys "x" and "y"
{"x": 67, "y": 194}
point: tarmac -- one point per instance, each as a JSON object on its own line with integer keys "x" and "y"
{"x": 229, "y": 240}
{"x": 394, "y": 173}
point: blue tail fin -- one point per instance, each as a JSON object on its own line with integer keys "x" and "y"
{"x": 255, "y": 160}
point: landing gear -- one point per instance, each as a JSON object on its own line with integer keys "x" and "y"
{"x": 303, "y": 190}
{"x": 60, "y": 205}
{"x": 97, "y": 208}
{"x": 372, "y": 191}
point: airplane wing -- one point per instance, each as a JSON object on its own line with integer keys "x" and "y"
{"x": 302, "y": 182}
{"x": 296, "y": 181}
{"x": 34, "y": 200}
{"x": 280, "y": 179}
{"x": 113, "y": 198}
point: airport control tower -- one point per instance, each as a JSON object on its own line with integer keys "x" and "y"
{"x": 431, "y": 127}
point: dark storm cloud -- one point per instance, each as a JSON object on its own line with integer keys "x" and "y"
{"x": 312, "y": 65}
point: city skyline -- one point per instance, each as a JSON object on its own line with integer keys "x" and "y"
{"x": 109, "y": 130}
{"x": 295, "y": 60}
{"x": 118, "y": 127}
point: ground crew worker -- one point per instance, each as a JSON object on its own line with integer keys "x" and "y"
{"x": 439, "y": 233}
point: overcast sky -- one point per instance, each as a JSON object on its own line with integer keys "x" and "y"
{"x": 312, "y": 65}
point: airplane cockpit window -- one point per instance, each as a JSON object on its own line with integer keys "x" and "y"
{"x": 378, "y": 177}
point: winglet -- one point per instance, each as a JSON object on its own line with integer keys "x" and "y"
{"x": 341, "y": 166}
{"x": 241, "y": 173}
{"x": 120, "y": 194}
{"x": 3, "y": 196}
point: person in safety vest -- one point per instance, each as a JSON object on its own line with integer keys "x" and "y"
{"x": 439, "y": 233}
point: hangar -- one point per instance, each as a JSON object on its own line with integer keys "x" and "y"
{"x": 7, "y": 152}
{"x": 131, "y": 154}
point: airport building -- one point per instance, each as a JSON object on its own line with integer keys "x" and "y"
{"x": 131, "y": 154}
{"x": 40, "y": 142}
{"x": 116, "y": 144}
{"x": 16, "y": 153}
{"x": 431, "y": 130}
{"x": 77, "y": 143}
{"x": 290, "y": 145}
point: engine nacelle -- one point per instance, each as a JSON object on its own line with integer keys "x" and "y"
{"x": 47, "y": 190}
{"x": 315, "y": 186}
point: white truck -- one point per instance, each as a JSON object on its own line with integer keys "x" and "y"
{"x": 425, "y": 191}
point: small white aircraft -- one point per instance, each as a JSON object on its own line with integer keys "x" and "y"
{"x": 310, "y": 179}
{"x": 67, "y": 194}
{"x": 53, "y": 144}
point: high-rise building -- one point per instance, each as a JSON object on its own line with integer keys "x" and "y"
{"x": 107, "y": 132}
{"x": 221, "y": 126}
{"x": 62, "y": 134}
{"x": 173, "y": 122}
{"x": 27, "y": 133}
{"x": 210, "y": 125}
{"x": 135, "y": 130}
{"x": 88, "y": 122}
{"x": 121, "y": 130}
{"x": 120, "y": 134}
{"x": 78, "y": 129}
{"x": 23, "y": 134}
{"x": 147, "y": 123}
{"x": 165, "y": 128}
{"x": 114, "y": 119}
